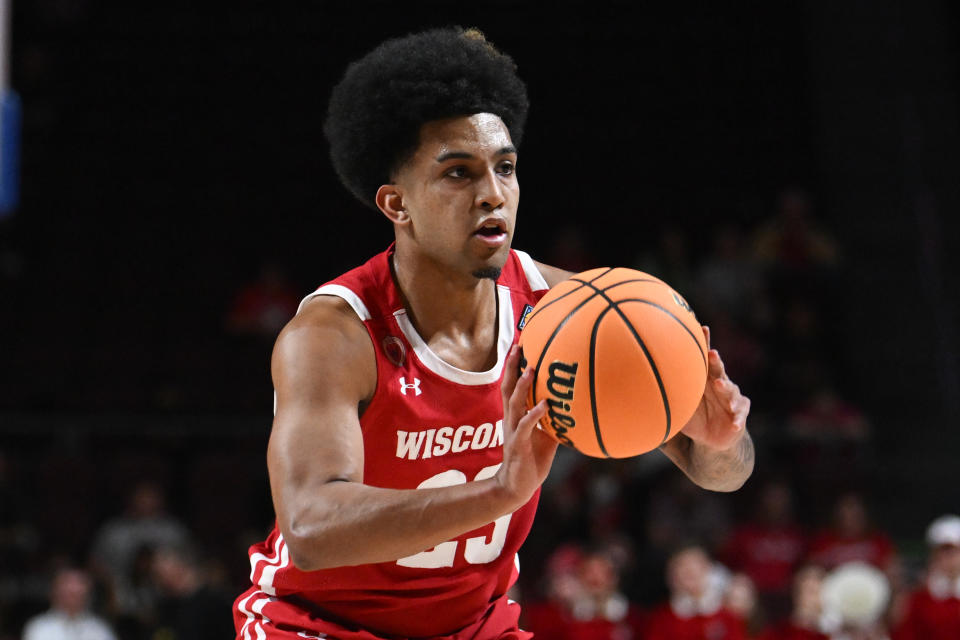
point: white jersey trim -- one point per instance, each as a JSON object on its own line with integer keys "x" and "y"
{"x": 254, "y": 614}
{"x": 341, "y": 292}
{"x": 434, "y": 363}
{"x": 534, "y": 278}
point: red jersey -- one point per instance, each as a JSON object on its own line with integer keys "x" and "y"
{"x": 548, "y": 620}
{"x": 789, "y": 631}
{"x": 429, "y": 424}
{"x": 766, "y": 553}
{"x": 830, "y": 550}
{"x": 665, "y": 624}
{"x": 930, "y": 617}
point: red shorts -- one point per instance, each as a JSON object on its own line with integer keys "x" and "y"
{"x": 499, "y": 622}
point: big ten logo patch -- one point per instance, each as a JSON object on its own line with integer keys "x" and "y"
{"x": 524, "y": 315}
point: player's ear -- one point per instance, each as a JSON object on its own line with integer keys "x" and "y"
{"x": 390, "y": 202}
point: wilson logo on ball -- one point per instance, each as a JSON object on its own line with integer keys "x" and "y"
{"x": 560, "y": 379}
{"x": 637, "y": 351}
{"x": 680, "y": 301}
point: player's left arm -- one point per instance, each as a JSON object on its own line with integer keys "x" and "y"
{"x": 714, "y": 448}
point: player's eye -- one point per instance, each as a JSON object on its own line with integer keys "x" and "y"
{"x": 506, "y": 168}
{"x": 457, "y": 172}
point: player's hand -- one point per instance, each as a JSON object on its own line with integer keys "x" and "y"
{"x": 527, "y": 451}
{"x": 721, "y": 419}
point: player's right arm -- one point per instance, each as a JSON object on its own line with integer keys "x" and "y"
{"x": 324, "y": 370}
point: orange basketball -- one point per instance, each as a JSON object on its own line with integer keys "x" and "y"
{"x": 620, "y": 358}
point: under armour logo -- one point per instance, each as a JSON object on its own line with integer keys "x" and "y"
{"x": 415, "y": 386}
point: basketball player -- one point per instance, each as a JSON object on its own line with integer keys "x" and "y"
{"x": 404, "y": 466}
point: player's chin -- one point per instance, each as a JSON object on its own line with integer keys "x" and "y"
{"x": 490, "y": 265}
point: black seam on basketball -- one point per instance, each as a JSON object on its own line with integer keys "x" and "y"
{"x": 593, "y": 380}
{"x": 546, "y": 345}
{"x": 612, "y": 286}
{"x": 559, "y": 298}
{"x": 653, "y": 367}
{"x": 670, "y": 313}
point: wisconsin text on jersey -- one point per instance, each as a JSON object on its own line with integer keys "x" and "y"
{"x": 432, "y": 443}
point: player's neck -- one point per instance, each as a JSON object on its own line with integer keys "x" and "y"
{"x": 440, "y": 302}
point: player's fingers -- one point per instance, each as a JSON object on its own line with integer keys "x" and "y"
{"x": 544, "y": 445}
{"x": 510, "y": 374}
{"x": 715, "y": 368}
{"x": 735, "y": 404}
{"x": 518, "y": 399}
{"x": 706, "y": 335}
{"x": 741, "y": 411}
{"x": 727, "y": 391}
{"x": 529, "y": 421}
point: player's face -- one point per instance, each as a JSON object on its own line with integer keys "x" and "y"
{"x": 688, "y": 572}
{"x": 461, "y": 193}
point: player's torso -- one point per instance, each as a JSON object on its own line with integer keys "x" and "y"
{"x": 428, "y": 425}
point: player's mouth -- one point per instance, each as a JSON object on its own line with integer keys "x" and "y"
{"x": 492, "y": 232}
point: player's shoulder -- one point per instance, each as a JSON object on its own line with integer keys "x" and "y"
{"x": 326, "y": 339}
{"x": 537, "y": 275}
{"x": 326, "y": 328}
{"x": 323, "y": 318}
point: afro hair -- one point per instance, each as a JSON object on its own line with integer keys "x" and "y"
{"x": 376, "y": 111}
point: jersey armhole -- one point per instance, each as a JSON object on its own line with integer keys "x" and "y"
{"x": 343, "y": 292}
{"x": 534, "y": 278}
{"x": 352, "y": 299}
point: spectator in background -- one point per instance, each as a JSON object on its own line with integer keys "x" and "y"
{"x": 548, "y": 617}
{"x": 792, "y": 241}
{"x": 599, "y": 610}
{"x": 829, "y": 438}
{"x": 826, "y": 417}
{"x": 769, "y": 548}
{"x": 740, "y": 598}
{"x": 695, "y": 609}
{"x": 674, "y": 512}
{"x": 263, "y": 306}
{"x": 123, "y": 545}
{"x": 190, "y": 607}
{"x": 852, "y": 538}
{"x": 806, "y": 621}
{"x": 932, "y": 611}
{"x": 69, "y": 617}
{"x": 584, "y": 601}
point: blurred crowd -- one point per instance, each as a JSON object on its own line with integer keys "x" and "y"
{"x": 770, "y": 578}
{"x": 620, "y": 549}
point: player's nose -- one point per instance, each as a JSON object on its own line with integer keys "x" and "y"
{"x": 490, "y": 196}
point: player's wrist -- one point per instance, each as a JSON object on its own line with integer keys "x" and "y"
{"x": 505, "y": 498}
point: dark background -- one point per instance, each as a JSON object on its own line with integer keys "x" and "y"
{"x": 171, "y": 149}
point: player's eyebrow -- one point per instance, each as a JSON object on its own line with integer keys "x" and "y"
{"x": 463, "y": 155}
